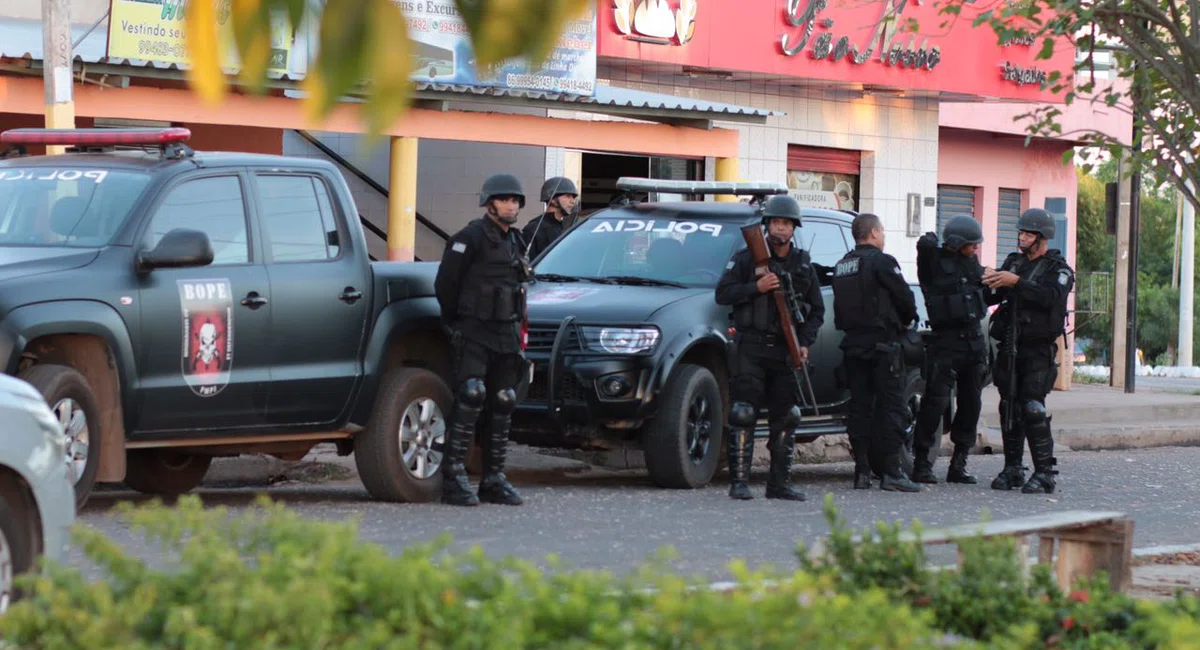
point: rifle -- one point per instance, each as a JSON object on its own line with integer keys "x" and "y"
{"x": 1011, "y": 335}
{"x": 789, "y": 311}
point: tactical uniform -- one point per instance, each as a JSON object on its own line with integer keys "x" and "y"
{"x": 541, "y": 231}
{"x": 956, "y": 352}
{"x": 873, "y": 306}
{"x": 1039, "y": 302}
{"x": 480, "y": 288}
{"x": 762, "y": 371}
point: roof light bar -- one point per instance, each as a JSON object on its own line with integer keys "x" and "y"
{"x": 95, "y": 137}
{"x": 633, "y": 184}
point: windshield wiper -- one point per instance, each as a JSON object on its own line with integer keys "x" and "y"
{"x": 648, "y": 282}
{"x": 555, "y": 277}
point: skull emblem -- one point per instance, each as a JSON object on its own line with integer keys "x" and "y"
{"x": 208, "y": 343}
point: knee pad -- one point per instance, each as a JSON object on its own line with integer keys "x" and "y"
{"x": 504, "y": 401}
{"x": 789, "y": 421}
{"x": 742, "y": 414}
{"x": 472, "y": 392}
{"x": 1035, "y": 412}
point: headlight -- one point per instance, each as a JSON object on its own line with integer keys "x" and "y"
{"x": 620, "y": 340}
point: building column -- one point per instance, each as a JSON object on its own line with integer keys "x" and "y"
{"x": 727, "y": 171}
{"x": 402, "y": 200}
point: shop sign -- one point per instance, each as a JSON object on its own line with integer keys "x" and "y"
{"x": 153, "y": 31}
{"x": 655, "y": 21}
{"x": 442, "y": 53}
{"x": 1022, "y": 76}
{"x": 901, "y": 44}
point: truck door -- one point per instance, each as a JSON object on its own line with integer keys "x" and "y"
{"x": 320, "y": 297}
{"x": 202, "y": 359}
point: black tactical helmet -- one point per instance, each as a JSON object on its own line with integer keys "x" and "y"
{"x": 501, "y": 185}
{"x": 556, "y": 186}
{"x": 781, "y": 206}
{"x": 961, "y": 230}
{"x": 1037, "y": 220}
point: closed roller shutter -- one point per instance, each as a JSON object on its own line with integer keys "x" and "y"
{"x": 1006, "y": 225}
{"x": 825, "y": 160}
{"x": 953, "y": 200}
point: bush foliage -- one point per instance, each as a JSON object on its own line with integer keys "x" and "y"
{"x": 269, "y": 579}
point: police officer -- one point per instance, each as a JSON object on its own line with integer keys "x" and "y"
{"x": 873, "y": 306}
{"x": 480, "y": 288}
{"x": 956, "y": 354}
{"x": 1032, "y": 286}
{"x": 559, "y": 195}
{"x": 762, "y": 370}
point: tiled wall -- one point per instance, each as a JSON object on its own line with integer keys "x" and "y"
{"x": 897, "y": 135}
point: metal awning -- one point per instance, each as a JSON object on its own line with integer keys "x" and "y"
{"x": 21, "y": 43}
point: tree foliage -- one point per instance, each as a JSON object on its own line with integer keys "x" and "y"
{"x": 364, "y": 47}
{"x": 1155, "y": 46}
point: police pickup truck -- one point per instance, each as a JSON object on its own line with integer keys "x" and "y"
{"x": 630, "y": 347}
{"x": 173, "y": 305}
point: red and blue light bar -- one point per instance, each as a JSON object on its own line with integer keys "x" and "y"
{"x": 95, "y": 137}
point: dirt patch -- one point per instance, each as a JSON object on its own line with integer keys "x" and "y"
{"x": 1188, "y": 558}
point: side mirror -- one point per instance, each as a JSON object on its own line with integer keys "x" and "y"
{"x": 178, "y": 248}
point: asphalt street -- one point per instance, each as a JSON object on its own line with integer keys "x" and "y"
{"x": 613, "y": 522}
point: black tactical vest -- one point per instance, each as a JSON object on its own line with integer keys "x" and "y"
{"x": 856, "y": 293}
{"x": 491, "y": 288}
{"x": 1035, "y": 324}
{"x": 761, "y": 314}
{"x": 954, "y": 298}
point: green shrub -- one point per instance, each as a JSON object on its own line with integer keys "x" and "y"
{"x": 270, "y": 579}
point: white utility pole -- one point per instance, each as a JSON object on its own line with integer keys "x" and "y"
{"x": 1187, "y": 260}
{"x": 57, "y": 67}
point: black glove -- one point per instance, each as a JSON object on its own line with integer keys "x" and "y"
{"x": 928, "y": 240}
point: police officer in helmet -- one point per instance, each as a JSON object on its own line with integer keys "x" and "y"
{"x": 873, "y": 306}
{"x": 761, "y": 370}
{"x": 956, "y": 353}
{"x": 1031, "y": 286}
{"x": 559, "y": 195}
{"x": 480, "y": 288}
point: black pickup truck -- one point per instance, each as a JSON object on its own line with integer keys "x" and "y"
{"x": 173, "y": 305}
{"x": 630, "y": 348}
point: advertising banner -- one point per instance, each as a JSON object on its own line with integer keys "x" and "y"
{"x": 442, "y": 53}
{"x": 152, "y": 30}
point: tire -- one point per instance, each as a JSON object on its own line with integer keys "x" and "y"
{"x": 166, "y": 472}
{"x": 683, "y": 443}
{"x": 914, "y": 391}
{"x": 67, "y": 393}
{"x": 17, "y": 530}
{"x": 405, "y": 395}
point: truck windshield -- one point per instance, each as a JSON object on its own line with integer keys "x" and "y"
{"x": 669, "y": 249}
{"x": 65, "y": 206}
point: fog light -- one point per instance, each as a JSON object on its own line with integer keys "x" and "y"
{"x": 615, "y": 386}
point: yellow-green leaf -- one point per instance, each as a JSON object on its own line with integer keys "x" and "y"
{"x": 389, "y": 50}
{"x": 252, "y": 36}
{"x": 341, "y": 57}
{"x": 200, "y": 39}
{"x": 505, "y": 29}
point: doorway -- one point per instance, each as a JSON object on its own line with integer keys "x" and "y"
{"x": 600, "y": 171}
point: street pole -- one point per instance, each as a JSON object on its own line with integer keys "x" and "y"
{"x": 1187, "y": 259}
{"x": 57, "y": 67}
{"x": 1117, "y": 374}
{"x": 1135, "y": 210}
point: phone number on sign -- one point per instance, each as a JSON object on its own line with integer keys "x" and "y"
{"x": 161, "y": 48}
{"x": 541, "y": 82}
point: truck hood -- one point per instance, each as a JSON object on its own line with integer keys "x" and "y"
{"x": 24, "y": 261}
{"x": 588, "y": 302}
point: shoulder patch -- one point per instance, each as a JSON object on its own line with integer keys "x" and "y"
{"x": 459, "y": 247}
{"x": 1064, "y": 277}
{"x": 897, "y": 271}
{"x": 729, "y": 265}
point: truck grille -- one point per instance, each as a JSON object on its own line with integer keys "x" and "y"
{"x": 567, "y": 390}
{"x": 541, "y": 338}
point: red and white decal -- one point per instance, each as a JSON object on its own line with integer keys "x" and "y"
{"x": 207, "y": 334}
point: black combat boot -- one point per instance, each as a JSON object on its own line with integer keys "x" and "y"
{"x": 1013, "y": 474}
{"x": 958, "y": 467}
{"x": 862, "y": 465}
{"x": 1041, "y": 449}
{"x": 456, "y": 487}
{"x": 741, "y": 452}
{"x": 894, "y": 479}
{"x": 923, "y": 467}
{"x": 782, "y": 445}
{"x": 494, "y": 487}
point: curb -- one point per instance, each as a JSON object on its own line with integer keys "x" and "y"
{"x": 1111, "y": 437}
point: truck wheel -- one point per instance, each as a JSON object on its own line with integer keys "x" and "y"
{"x": 16, "y": 553}
{"x": 71, "y": 400}
{"x": 167, "y": 472}
{"x": 914, "y": 391}
{"x": 399, "y": 453}
{"x": 683, "y": 442}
